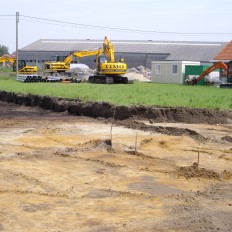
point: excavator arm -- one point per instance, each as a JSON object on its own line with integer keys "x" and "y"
{"x": 7, "y": 59}
{"x": 217, "y": 65}
{"x": 79, "y": 54}
{"x": 84, "y": 53}
{"x": 62, "y": 66}
{"x": 108, "y": 49}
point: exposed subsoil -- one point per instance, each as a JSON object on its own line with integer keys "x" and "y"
{"x": 68, "y": 165}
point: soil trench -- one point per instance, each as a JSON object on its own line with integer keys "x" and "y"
{"x": 107, "y": 110}
{"x": 153, "y": 170}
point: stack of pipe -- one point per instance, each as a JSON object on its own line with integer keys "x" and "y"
{"x": 36, "y": 78}
{"x": 29, "y": 78}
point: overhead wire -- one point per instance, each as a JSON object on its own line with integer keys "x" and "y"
{"x": 99, "y": 27}
{"x": 125, "y": 29}
{"x": 57, "y": 24}
{"x": 79, "y": 26}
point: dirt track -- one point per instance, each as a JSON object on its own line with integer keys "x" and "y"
{"x": 59, "y": 173}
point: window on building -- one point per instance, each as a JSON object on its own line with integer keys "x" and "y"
{"x": 174, "y": 68}
{"x": 157, "y": 69}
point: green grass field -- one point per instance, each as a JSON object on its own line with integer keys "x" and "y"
{"x": 135, "y": 94}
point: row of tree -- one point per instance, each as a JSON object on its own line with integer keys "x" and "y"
{"x": 3, "y": 50}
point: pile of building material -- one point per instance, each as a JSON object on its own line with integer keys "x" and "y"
{"x": 80, "y": 72}
{"x": 140, "y": 73}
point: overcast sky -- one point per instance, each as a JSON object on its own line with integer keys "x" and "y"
{"x": 178, "y": 16}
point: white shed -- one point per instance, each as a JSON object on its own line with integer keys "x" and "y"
{"x": 172, "y": 72}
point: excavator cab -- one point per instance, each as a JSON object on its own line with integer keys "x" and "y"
{"x": 103, "y": 59}
{"x": 100, "y": 60}
{"x": 58, "y": 58}
{"x": 21, "y": 65}
{"x": 23, "y": 68}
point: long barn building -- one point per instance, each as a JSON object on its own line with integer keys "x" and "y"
{"x": 136, "y": 53}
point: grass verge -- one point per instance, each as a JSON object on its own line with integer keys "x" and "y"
{"x": 136, "y": 94}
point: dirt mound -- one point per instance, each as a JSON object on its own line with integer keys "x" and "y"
{"x": 226, "y": 175}
{"x": 227, "y": 138}
{"x": 194, "y": 171}
{"x": 106, "y": 110}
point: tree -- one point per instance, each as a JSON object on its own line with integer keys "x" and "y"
{"x": 3, "y": 50}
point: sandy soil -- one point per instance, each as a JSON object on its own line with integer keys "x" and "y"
{"x": 59, "y": 173}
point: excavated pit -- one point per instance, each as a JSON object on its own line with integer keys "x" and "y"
{"x": 88, "y": 171}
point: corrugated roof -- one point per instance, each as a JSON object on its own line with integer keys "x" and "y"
{"x": 198, "y": 51}
{"x": 225, "y": 53}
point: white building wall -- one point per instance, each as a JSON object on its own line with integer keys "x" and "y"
{"x": 166, "y": 72}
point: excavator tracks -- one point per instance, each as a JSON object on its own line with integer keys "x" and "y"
{"x": 100, "y": 79}
{"x": 103, "y": 79}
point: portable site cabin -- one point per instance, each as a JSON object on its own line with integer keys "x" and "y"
{"x": 171, "y": 72}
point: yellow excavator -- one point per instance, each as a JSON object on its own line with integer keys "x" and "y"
{"x": 107, "y": 69}
{"x": 23, "y": 68}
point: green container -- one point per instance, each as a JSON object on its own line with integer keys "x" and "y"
{"x": 196, "y": 70}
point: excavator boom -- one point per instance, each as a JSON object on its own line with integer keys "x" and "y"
{"x": 108, "y": 49}
{"x": 217, "y": 65}
{"x": 84, "y": 53}
{"x": 7, "y": 59}
{"x": 62, "y": 66}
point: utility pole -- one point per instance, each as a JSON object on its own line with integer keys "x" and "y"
{"x": 17, "y": 53}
